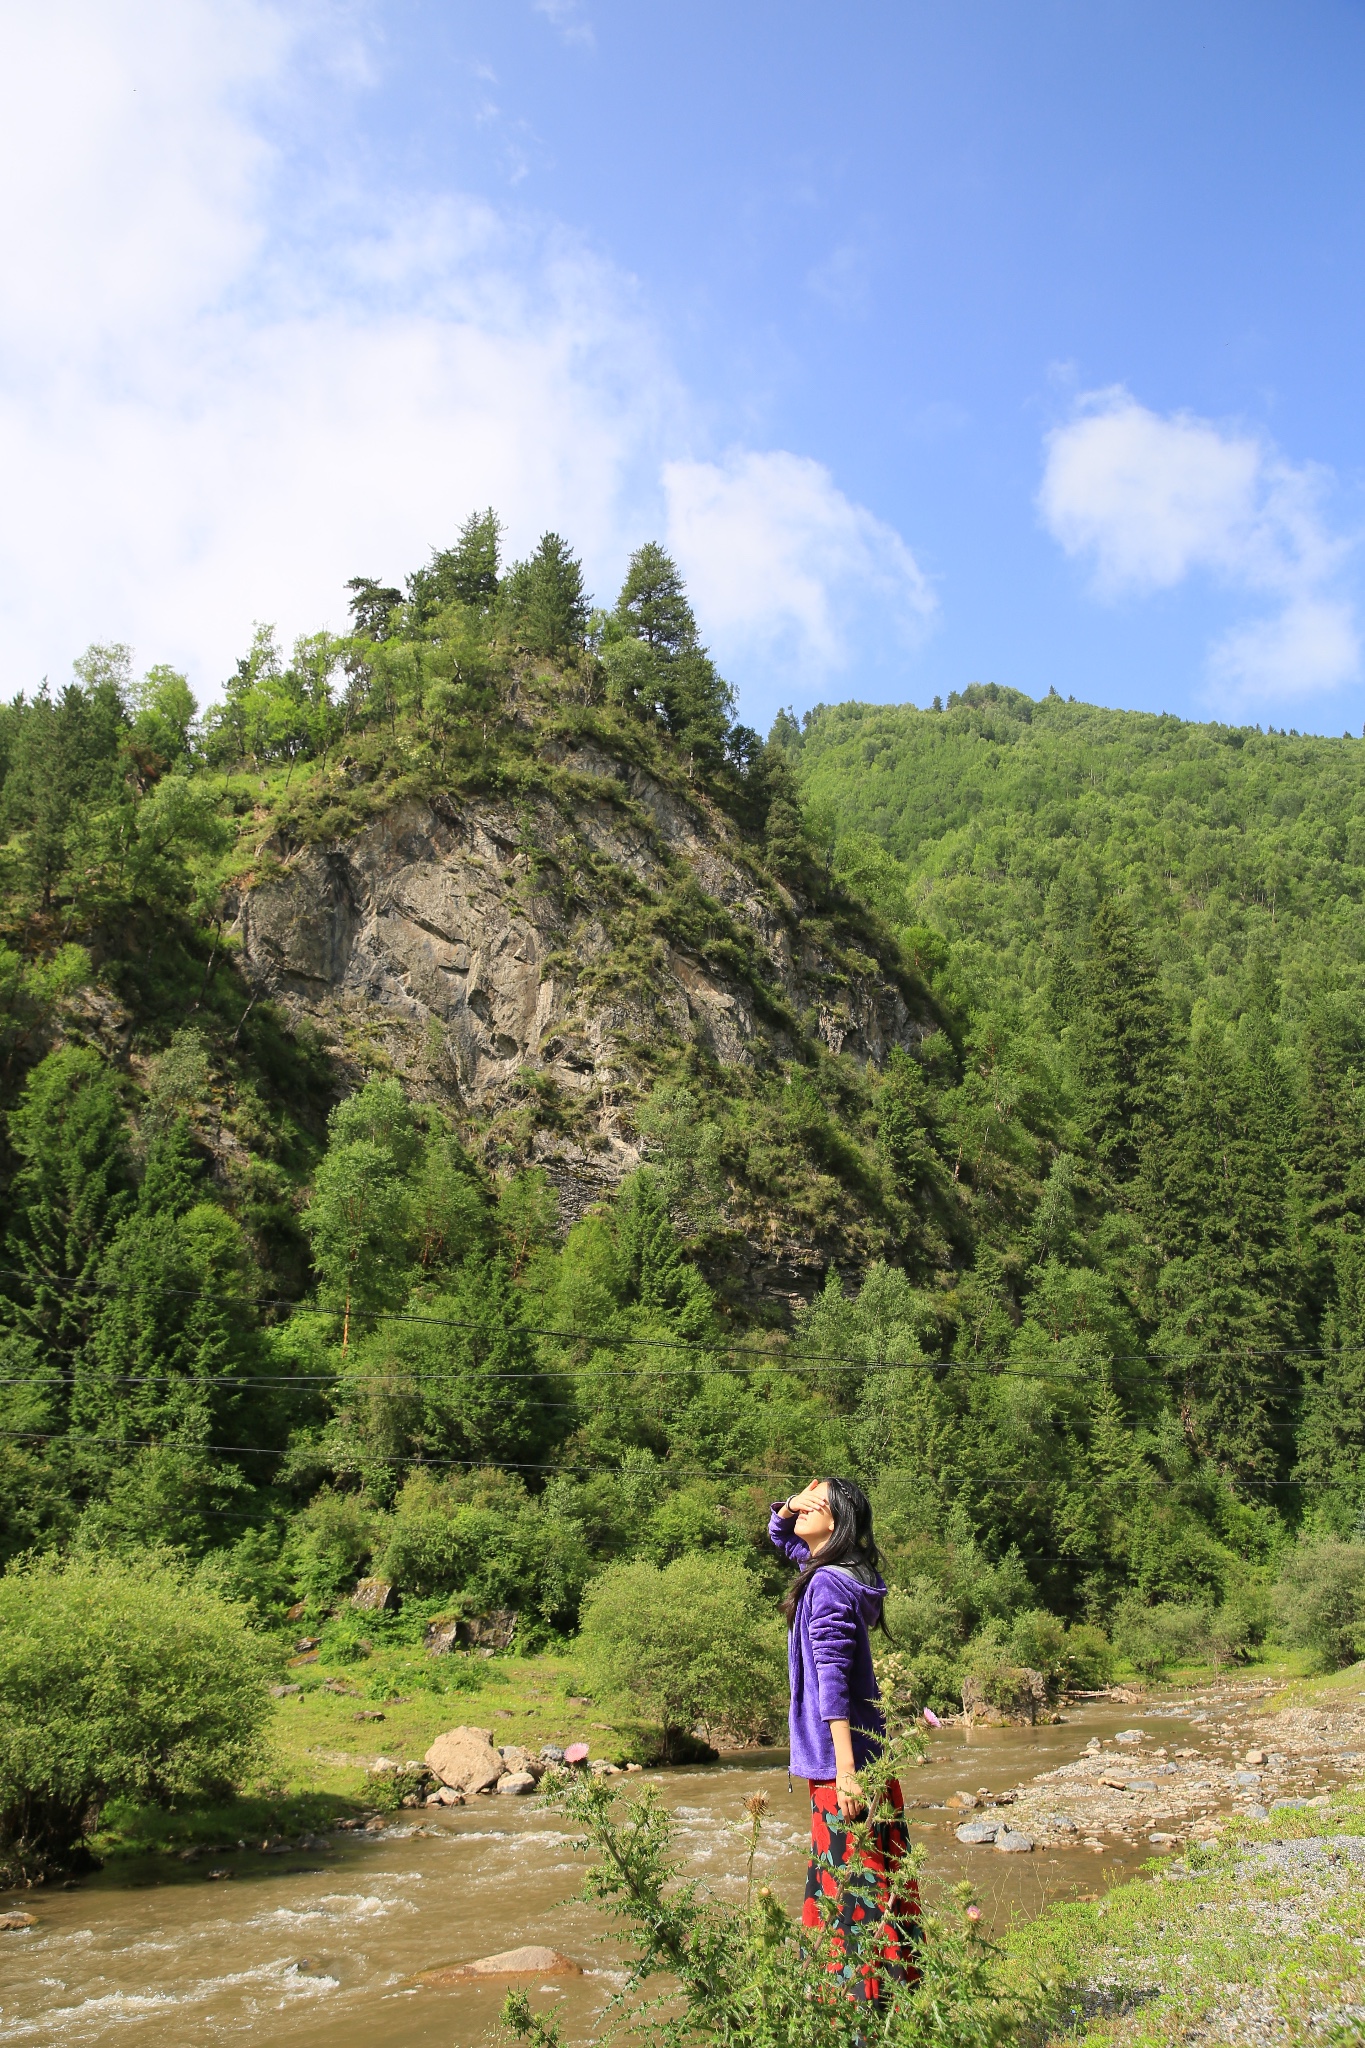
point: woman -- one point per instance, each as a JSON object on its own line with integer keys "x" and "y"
{"x": 837, "y": 1730}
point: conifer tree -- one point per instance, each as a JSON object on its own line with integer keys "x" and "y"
{"x": 73, "y": 1188}
{"x": 1331, "y": 1436}
{"x": 1215, "y": 1201}
{"x": 1122, "y": 1041}
{"x": 544, "y": 598}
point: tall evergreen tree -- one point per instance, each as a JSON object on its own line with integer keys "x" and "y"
{"x": 1215, "y": 1203}
{"x": 1331, "y": 1437}
{"x": 544, "y": 598}
{"x": 466, "y": 574}
{"x": 73, "y": 1188}
{"x": 1122, "y": 1041}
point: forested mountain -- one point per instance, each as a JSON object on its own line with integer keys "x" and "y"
{"x": 473, "y": 1111}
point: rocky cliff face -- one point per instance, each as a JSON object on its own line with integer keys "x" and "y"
{"x": 495, "y": 952}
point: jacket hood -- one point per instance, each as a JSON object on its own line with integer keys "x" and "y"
{"x": 869, "y": 1594}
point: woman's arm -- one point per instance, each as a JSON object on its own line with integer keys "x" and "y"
{"x": 783, "y": 1537}
{"x": 852, "y": 1804}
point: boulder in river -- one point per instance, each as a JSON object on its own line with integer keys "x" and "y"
{"x": 978, "y": 1833}
{"x": 466, "y": 1759}
{"x": 1013, "y": 1844}
{"x": 517, "y": 1783}
{"x": 531, "y": 1961}
{"x": 14, "y": 1922}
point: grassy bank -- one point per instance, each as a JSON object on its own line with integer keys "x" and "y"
{"x": 1257, "y": 1937}
{"x": 356, "y": 1704}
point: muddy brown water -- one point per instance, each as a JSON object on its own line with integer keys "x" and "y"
{"x": 314, "y": 1947}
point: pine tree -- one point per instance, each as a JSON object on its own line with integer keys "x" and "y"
{"x": 653, "y": 602}
{"x": 73, "y": 1188}
{"x": 1122, "y": 1042}
{"x": 1331, "y": 1436}
{"x": 466, "y": 574}
{"x": 544, "y": 599}
{"x": 1215, "y": 1202}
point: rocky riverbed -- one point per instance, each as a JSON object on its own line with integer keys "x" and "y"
{"x": 1233, "y": 1756}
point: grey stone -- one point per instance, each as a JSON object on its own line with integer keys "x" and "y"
{"x": 374, "y": 1596}
{"x": 517, "y": 1782}
{"x": 1012, "y": 1844}
{"x": 976, "y": 1833}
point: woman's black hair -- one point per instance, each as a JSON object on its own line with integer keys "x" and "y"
{"x": 851, "y": 1544}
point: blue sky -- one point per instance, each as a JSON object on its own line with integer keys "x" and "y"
{"x": 941, "y": 344}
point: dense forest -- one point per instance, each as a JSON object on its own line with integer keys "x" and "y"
{"x": 1087, "y": 1305}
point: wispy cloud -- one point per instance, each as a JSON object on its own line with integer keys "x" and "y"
{"x": 1150, "y": 499}
{"x": 567, "y": 16}
{"x": 779, "y": 561}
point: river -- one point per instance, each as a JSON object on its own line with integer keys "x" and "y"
{"x": 312, "y": 1947}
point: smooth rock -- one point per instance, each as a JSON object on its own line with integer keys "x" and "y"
{"x": 1130, "y": 1735}
{"x": 1287, "y": 1805}
{"x": 1062, "y": 1823}
{"x": 531, "y": 1961}
{"x": 962, "y": 1802}
{"x": 285, "y": 1692}
{"x": 515, "y": 1758}
{"x": 13, "y": 1922}
{"x": 1012, "y": 1844}
{"x": 517, "y": 1782}
{"x": 977, "y": 1833}
{"x": 1254, "y": 1756}
{"x": 1258, "y": 1812}
{"x": 445, "y": 1797}
{"x": 1245, "y": 1778}
{"x": 466, "y": 1759}
{"x": 600, "y": 1768}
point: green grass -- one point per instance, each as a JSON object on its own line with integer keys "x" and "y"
{"x": 323, "y": 1750}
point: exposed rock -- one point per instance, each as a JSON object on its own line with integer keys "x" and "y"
{"x": 297, "y": 1611}
{"x": 482, "y": 1632}
{"x": 518, "y": 1759}
{"x": 466, "y": 940}
{"x": 962, "y": 1802}
{"x": 285, "y": 1692}
{"x": 1013, "y": 1844}
{"x": 516, "y": 1783}
{"x": 531, "y": 1961}
{"x": 466, "y": 1759}
{"x": 14, "y": 1922}
{"x": 977, "y": 1833}
{"x": 1010, "y": 1695}
{"x": 446, "y": 1796}
{"x": 374, "y": 1596}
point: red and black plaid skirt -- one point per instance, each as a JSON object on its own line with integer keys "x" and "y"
{"x": 853, "y": 1889}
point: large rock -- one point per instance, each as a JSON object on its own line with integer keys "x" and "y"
{"x": 531, "y": 1961}
{"x": 466, "y": 1759}
{"x": 374, "y": 1596}
{"x": 517, "y": 1783}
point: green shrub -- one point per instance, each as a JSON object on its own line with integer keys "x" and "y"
{"x": 693, "y": 1642}
{"x": 117, "y": 1680}
{"x": 1175, "y": 1632}
{"x": 1319, "y": 1601}
{"x": 747, "y": 1976}
{"x": 1089, "y": 1657}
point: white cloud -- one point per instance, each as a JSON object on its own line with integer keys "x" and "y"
{"x": 1150, "y": 500}
{"x": 234, "y": 370}
{"x": 778, "y": 560}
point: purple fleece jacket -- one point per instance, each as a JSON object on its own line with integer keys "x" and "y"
{"x": 829, "y": 1655}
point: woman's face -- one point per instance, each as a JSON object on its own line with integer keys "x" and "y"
{"x": 814, "y": 1522}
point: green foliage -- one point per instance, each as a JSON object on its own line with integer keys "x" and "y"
{"x": 1320, "y": 1600}
{"x": 116, "y": 1680}
{"x": 746, "y": 1975}
{"x": 690, "y": 1642}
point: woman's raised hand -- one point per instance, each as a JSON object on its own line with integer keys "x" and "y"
{"x": 799, "y": 1502}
